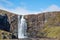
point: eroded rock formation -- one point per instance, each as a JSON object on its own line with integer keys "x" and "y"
{"x": 13, "y": 21}
{"x": 35, "y": 24}
{"x": 4, "y": 24}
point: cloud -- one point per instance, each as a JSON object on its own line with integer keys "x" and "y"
{"x": 7, "y": 2}
{"x": 52, "y": 8}
{"x": 6, "y": 9}
{"x": 17, "y": 10}
{"x": 20, "y": 10}
{"x": 24, "y": 11}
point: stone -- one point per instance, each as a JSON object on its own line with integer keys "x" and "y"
{"x": 4, "y": 24}
{"x": 9, "y": 19}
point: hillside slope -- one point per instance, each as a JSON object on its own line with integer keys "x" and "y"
{"x": 44, "y": 25}
{"x": 52, "y": 26}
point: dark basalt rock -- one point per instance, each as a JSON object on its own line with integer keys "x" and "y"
{"x": 4, "y": 24}
{"x": 14, "y": 37}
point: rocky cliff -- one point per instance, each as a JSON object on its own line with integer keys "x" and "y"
{"x": 35, "y": 24}
{"x": 12, "y": 19}
{"x": 43, "y": 25}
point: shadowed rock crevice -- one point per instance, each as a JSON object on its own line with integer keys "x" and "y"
{"x": 4, "y": 23}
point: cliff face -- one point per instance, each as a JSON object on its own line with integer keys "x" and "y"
{"x": 35, "y": 24}
{"x": 43, "y": 24}
{"x": 53, "y": 18}
{"x": 13, "y": 21}
{"x": 52, "y": 26}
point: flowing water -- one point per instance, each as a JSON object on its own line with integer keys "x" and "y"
{"x": 22, "y": 27}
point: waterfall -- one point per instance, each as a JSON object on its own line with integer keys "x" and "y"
{"x": 22, "y": 27}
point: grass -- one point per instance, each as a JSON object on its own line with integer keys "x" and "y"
{"x": 52, "y": 32}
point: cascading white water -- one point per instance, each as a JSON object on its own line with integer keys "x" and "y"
{"x": 22, "y": 27}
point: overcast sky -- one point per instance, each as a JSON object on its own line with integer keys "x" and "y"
{"x": 30, "y": 6}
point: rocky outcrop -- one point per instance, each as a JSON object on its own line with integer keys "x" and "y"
{"x": 13, "y": 21}
{"x": 6, "y": 35}
{"x": 35, "y": 24}
{"x": 53, "y": 18}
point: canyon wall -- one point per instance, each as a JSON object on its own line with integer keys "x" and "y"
{"x": 42, "y": 25}
{"x": 35, "y": 24}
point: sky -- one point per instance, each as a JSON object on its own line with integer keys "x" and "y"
{"x": 30, "y": 6}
